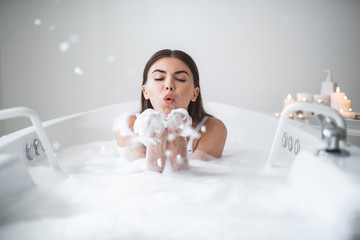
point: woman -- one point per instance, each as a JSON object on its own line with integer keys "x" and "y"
{"x": 172, "y": 116}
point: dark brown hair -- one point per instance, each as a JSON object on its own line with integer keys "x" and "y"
{"x": 195, "y": 109}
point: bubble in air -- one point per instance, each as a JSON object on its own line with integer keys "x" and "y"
{"x": 132, "y": 70}
{"x": 203, "y": 129}
{"x": 78, "y": 71}
{"x": 74, "y": 38}
{"x": 179, "y": 159}
{"x": 168, "y": 153}
{"x": 111, "y": 59}
{"x": 64, "y": 47}
{"x": 37, "y": 22}
{"x": 171, "y": 137}
{"x": 56, "y": 146}
{"x": 52, "y": 28}
{"x": 159, "y": 162}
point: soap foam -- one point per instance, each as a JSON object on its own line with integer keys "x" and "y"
{"x": 102, "y": 196}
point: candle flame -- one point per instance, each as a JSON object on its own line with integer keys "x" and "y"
{"x": 304, "y": 99}
{"x": 350, "y": 109}
{"x": 289, "y": 96}
{"x": 337, "y": 89}
{"x": 342, "y": 110}
{"x": 345, "y": 98}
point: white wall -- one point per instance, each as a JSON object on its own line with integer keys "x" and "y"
{"x": 249, "y": 53}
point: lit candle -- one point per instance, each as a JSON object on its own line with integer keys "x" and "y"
{"x": 338, "y": 100}
{"x": 347, "y": 104}
{"x": 322, "y": 99}
{"x": 305, "y": 97}
{"x": 348, "y": 115}
{"x": 288, "y": 100}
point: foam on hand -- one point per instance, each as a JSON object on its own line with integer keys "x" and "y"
{"x": 148, "y": 124}
{"x": 179, "y": 121}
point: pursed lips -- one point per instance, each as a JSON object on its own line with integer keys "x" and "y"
{"x": 168, "y": 98}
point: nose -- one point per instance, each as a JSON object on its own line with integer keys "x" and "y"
{"x": 169, "y": 84}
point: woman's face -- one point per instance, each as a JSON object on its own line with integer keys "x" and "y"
{"x": 169, "y": 85}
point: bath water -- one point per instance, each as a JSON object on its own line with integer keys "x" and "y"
{"x": 101, "y": 196}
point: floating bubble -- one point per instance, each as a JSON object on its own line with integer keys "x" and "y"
{"x": 56, "y": 146}
{"x": 159, "y": 162}
{"x": 132, "y": 70}
{"x": 168, "y": 153}
{"x": 203, "y": 129}
{"x": 64, "y": 46}
{"x": 171, "y": 137}
{"x": 37, "y": 22}
{"x": 78, "y": 71}
{"x": 74, "y": 38}
{"x": 179, "y": 159}
{"x": 51, "y": 28}
{"x": 111, "y": 59}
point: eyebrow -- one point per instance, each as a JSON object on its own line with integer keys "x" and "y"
{"x": 177, "y": 72}
{"x": 158, "y": 70}
{"x": 182, "y": 71}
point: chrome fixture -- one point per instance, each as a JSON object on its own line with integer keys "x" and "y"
{"x": 33, "y": 149}
{"x": 332, "y": 134}
{"x": 297, "y": 146}
{"x": 30, "y": 151}
{"x": 38, "y": 147}
{"x": 35, "y": 120}
{"x": 287, "y": 142}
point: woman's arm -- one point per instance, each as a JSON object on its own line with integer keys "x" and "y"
{"x": 128, "y": 145}
{"x": 212, "y": 140}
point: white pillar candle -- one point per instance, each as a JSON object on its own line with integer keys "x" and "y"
{"x": 348, "y": 115}
{"x": 338, "y": 99}
{"x": 305, "y": 97}
{"x": 347, "y": 104}
{"x": 288, "y": 100}
{"x": 322, "y": 99}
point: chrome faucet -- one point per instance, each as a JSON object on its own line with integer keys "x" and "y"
{"x": 332, "y": 134}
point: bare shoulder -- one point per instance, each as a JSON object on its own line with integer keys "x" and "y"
{"x": 215, "y": 125}
{"x": 212, "y": 140}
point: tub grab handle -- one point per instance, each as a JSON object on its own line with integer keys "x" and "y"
{"x": 35, "y": 120}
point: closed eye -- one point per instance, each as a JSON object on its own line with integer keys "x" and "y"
{"x": 180, "y": 80}
{"x": 159, "y": 79}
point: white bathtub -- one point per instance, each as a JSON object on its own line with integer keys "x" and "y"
{"x": 97, "y": 195}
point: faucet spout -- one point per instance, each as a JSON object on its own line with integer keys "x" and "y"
{"x": 332, "y": 136}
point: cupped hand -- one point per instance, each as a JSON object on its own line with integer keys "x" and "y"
{"x": 179, "y": 122}
{"x": 149, "y": 126}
